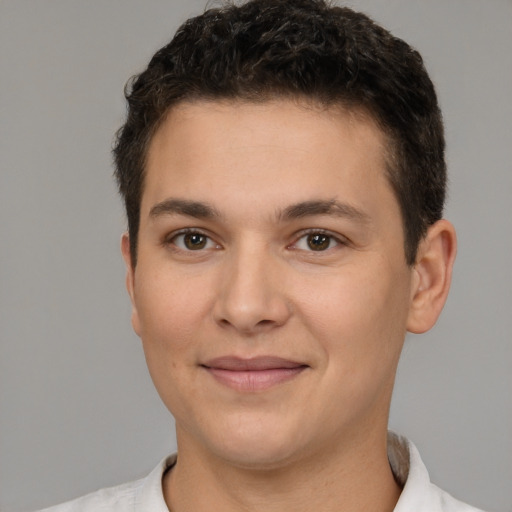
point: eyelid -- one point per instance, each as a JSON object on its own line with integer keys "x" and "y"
{"x": 339, "y": 239}
{"x": 168, "y": 239}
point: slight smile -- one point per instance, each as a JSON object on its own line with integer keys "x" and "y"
{"x": 255, "y": 374}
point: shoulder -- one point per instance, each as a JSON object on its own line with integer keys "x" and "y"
{"x": 143, "y": 494}
{"x": 447, "y": 503}
{"x": 116, "y": 499}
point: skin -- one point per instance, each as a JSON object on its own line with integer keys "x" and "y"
{"x": 294, "y": 249}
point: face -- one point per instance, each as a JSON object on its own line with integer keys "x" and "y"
{"x": 271, "y": 291}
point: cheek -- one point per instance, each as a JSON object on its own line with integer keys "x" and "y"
{"x": 360, "y": 316}
{"x": 170, "y": 311}
{"x": 171, "y": 319}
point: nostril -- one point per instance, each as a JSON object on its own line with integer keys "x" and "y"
{"x": 264, "y": 323}
{"x": 248, "y": 300}
{"x": 248, "y": 327}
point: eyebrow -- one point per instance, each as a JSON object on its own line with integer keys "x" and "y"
{"x": 201, "y": 210}
{"x": 196, "y": 209}
{"x": 322, "y": 207}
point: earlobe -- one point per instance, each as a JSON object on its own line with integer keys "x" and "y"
{"x": 432, "y": 276}
{"x": 130, "y": 279}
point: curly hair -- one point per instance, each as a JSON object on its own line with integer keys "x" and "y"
{"x": 266, "y": 49}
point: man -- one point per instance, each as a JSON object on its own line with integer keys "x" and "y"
{"x": 282, "y": 166}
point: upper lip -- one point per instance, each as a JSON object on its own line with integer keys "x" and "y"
{"x": 234, "y": 363}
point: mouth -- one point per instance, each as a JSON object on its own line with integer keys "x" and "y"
{"x": 254, "y": 374}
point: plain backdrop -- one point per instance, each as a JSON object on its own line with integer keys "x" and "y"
{"x": 77, "y": 408}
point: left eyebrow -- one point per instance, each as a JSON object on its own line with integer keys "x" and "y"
{"x": 321, "y": 207}
{"x": 175, "y": 206}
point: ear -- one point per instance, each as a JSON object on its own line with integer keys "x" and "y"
{"x": 130, "y": 280}
{"x": 432, "y": 276}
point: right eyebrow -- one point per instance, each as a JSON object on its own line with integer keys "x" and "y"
{"x": 322, "y": 207}
{"x": 173, "y": 206}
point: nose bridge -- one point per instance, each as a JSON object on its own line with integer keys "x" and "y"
{"x": 251, "y": 298}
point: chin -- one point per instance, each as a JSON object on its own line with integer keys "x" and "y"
{"x": 258, "y": 456}
{"x": 257, "y": 445}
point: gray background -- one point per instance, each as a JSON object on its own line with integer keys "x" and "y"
{"x": 77, "y": 408}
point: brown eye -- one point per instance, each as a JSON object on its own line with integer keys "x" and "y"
{"x": 195, "y": 241}
{"x": 192, "y": 241}
{"x": 318, "y": 242}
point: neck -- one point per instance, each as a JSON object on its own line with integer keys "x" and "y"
{"x": 353, "y": 477}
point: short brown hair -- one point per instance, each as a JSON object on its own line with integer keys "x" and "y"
{"x": 264, "y": 49}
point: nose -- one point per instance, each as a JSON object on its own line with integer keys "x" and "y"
{"x": 252, "y": 296}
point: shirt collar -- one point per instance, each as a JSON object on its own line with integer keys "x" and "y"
{"x": 418, "y": 493}
{"x": 150, "y": 495}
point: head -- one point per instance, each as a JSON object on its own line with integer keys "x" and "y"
{"x": 283, "y": 174}
{"x": 307, "y": 50}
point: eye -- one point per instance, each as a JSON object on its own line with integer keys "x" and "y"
{"x": 192, "y": 241}
{"x": 316, "y": 241}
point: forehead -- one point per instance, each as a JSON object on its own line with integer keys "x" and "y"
{"x": 273, "y": 149}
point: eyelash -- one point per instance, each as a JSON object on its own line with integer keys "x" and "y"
{"x": 170, "y": 241}
{"x": 337, "y": 239}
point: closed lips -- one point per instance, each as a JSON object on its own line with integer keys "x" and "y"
{"x": 255, "y": 374}
{"x": 253, "y": 364}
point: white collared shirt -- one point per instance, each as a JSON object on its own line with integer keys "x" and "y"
{"x": 146, "y": 495}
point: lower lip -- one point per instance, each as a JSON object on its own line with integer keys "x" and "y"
{"x": 254, "y": 380}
